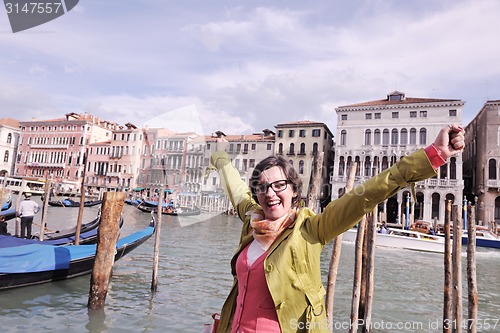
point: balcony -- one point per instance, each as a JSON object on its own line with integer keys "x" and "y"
{"x": 49, "y": 146}
{"x": 114, "y": 174}
{"x": 443, "y": 183}
{"x": 493, "y": 184}
{"x": 46, "y": 165}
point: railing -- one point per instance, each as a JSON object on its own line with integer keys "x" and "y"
{"x": 50, "y": 146}
{"x": 52, "y": 165}
{"x": 432, "y": 182}
{"x": 493, "y": 183}
{"x": 114, "y": 174}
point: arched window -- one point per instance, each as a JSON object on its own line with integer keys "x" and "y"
{"x": 404, "y": 136}
{"x": 9, "y": 138}
{"x": 358, "y": 166}
{"x": 443, "y": 171}
{"x": 291, "y": 151}
{"x": 343, "y": 137}
{"x": 341, "y": 166}
{"x": 492, "y": 169}
{"x": 385, "y": 137}
{"x": 423, "y": 136}
{"x": 368, "y": 166}
{"x": 436, "y": 199}
{"x": 368, "y": 137}
{"x": 497, "y": 209}
{"x": 315, "y": 147}
{"x": 301, "y": 167}
{"x": 394, "y": 136}
{"x": 413, "y": 136}
{"x": 385, "y": 163}
{"x": 376, "y": 137}
{"x": 280, "y": 149}
{"x": 453, "y": 168}
{"x": 6, "y": 156}
{"x": 302, "y": 149}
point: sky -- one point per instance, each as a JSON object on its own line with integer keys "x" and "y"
{"x": 244, "y": 66}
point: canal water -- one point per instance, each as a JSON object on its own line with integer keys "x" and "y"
{"x": 194, "y": 279}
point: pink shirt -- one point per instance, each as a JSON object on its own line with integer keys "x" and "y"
{"x": 255, "y": 310}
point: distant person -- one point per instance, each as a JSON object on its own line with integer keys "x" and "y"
{"x": 431, "y": 231}
{"x": 27, "y": 210}
{"x": 383, "y": 229}
{"x": 3, "y": 227}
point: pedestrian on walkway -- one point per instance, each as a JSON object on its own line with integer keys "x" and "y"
{"x": 27, "y": 210}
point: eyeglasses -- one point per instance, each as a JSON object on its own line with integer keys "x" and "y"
{"x": 277, "y": 186}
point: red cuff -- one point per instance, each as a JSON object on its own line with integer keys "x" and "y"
{"x": 434, "y": 157}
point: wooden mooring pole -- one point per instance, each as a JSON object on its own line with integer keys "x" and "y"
{"x": 107, "y": 237}
{"x": 156, "y": 258}
{"x": 371, "y": 234}
{"x": 456, "y": 257}
{"x": 335, "y": 259}
{"x": 447, "y": 315}
{"x": 358, "y": 278}
{"x": 315, "y": 183}
{"x": 45, "y": 204}
{"x": 471, "y": 273}
{"x": 82, "y": 202}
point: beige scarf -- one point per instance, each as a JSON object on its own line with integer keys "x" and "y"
{"x": 264, "y": 231}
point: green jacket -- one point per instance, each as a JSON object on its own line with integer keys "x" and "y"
{"x": 292, "y": 266}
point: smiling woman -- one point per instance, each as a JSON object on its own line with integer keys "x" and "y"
{"x": 277, "y": 273}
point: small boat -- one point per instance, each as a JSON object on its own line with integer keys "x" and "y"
{"x": 34, "y": 264}
{"x": 484, "y": 238}
{"x": 403, "y": 239}
{"x": 172, "y": 210}
{"x": 182, "y": 211}
{"x": 71, "y": 203}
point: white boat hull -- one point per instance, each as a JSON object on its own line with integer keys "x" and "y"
{"x": 402, "y": 239}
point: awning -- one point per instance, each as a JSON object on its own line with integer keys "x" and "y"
{"x": 138, "y": 189}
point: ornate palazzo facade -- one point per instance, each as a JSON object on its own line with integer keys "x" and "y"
{"x": 377, "y": 134}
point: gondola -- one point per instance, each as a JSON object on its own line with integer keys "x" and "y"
{"x": 71, "y": 203}
{"x": 133, "y": 202}
{"x": 8, "y": 214}
{"x": 6, "y": 205}
{"x": 34, "y": 264}
{"x": 88, "y": 235}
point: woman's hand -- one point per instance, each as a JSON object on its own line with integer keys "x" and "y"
{"x": 450, "y": 141}
{"x": 221, "y": 144}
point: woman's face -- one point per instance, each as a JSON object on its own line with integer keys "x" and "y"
{"x": 275, "y": 204}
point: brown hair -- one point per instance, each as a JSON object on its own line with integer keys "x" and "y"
{"x": 290, "y": 173}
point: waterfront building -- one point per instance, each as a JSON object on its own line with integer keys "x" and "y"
{"x": 482, "y": 162}
{"x": 300, "y": 142}
{"x": 114, "y": 164}
{"x": 376, "y": 134}
{"x": 9, "y": 139}
{"x": 166, "y": 161}
{"x": 57, "y": 147}
{"x": 245, "y": 151}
